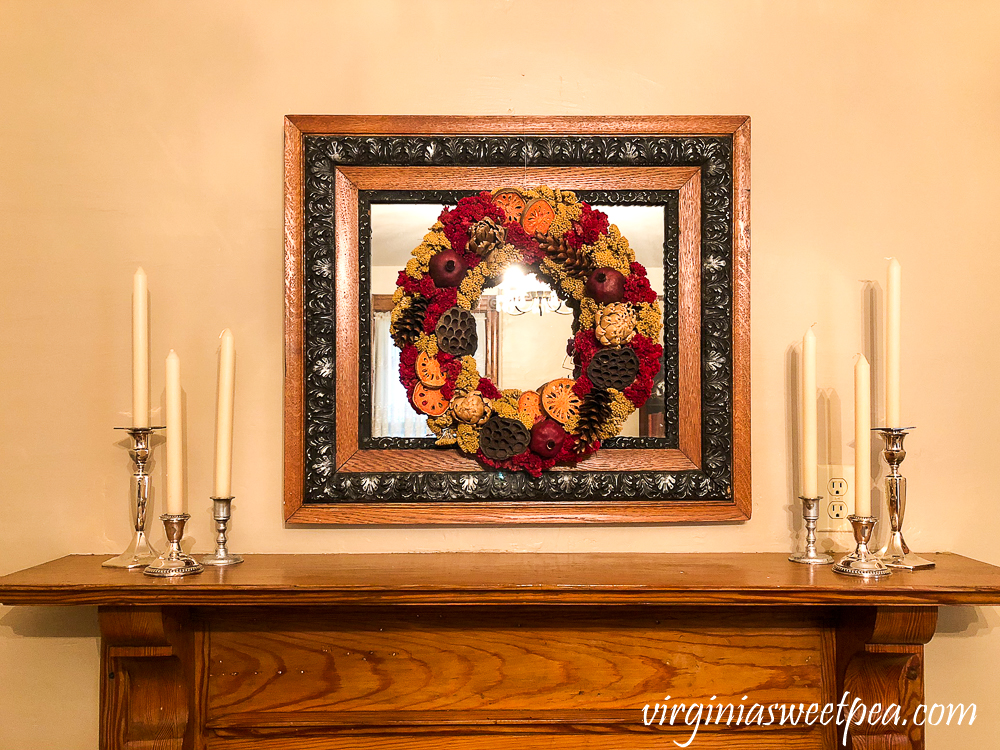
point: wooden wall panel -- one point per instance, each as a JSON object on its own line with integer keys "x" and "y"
{"x": 436, "y": 666}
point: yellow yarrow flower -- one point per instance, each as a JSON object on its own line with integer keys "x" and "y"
{"x": 588, "y": 312}
{"x": 427, "y": 344}
{"x": 649, "y": 321}
{"x": 468, "y": 438}
{"x": 505, "y": 408}
{"x": 440, "y": 423}
{"x": 621, "y": 407}
{"x": 467, "y": 380}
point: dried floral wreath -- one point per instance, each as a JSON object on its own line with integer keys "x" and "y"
{"x": 589, "y": 264}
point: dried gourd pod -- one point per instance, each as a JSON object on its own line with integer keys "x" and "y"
{"x": 456, "y": 332}
{"x": 502, "y": 438}
{"x": 614, "y": 324}
{"x": 485, "y": 236}
{"x": 613, "y": 368}
{"x": 470, "y": 408}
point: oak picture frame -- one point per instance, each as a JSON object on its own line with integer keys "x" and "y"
{"x": 333, "y": 164}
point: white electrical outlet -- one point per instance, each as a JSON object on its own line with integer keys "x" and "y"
{"x": 836, "y": 485}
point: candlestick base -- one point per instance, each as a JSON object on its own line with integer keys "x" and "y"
{"x": 895, "y": 553}
{"x": 139, "y": 552}
{"x": 810, "y": 555}
{"x": 221, "y": 512}
{"x": 862, "y": 562}
{"x": 174, "y": 562}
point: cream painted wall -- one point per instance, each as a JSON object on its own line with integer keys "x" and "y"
{"x": 150, "y": 134}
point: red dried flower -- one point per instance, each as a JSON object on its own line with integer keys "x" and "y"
{"x": 582, "y": 386}
{"x": 520, "y": 239}
{"x": 441, "y": 300}
{"x": 467, "y": 212}
{"x": 588, "y": 228}
{"x": 649, "y": 354}
{"x": 408, "y": 367}
{"x": 487, "y": 389}
{"x": 637, "y": 288}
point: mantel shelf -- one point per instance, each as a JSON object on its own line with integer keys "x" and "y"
{"x": 504, "y": 578}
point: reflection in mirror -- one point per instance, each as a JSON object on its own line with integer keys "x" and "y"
{"x": 523, "y": 330}
{"x": 644, "y": 227}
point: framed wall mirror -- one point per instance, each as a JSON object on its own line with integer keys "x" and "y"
{"x": 361, "y": 192}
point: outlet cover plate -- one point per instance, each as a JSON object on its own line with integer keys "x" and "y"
{"x": 836, "y": 485}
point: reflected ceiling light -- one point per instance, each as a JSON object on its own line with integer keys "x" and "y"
{"x": 522, "y": 293}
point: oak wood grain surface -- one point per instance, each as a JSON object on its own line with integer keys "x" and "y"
{"x": 472, "y": 578}
{"x": 475, "y": 664}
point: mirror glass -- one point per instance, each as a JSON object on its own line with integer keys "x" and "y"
{"x": 523, "y": 328}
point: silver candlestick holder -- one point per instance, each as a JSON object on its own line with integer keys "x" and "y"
{"x": 139, "y": 552}
{"x": 862, "y": 562}
{"x": 810, "y": 514}
{"x": 222, "y": 511}
{"x": 174, "y": 562}
{"x": 895, "y": 553}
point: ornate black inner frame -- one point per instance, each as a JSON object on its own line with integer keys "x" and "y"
{"x": 312, "y": 162}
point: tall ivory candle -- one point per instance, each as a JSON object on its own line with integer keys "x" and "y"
{"x": 224, "y": 416}
{"x": 175, "y": 437}
{"x": 140, "y": 350}
{"x": 892, "y": 320}
{"x": 862, "y": 438}
{"x": 809, "y": 414}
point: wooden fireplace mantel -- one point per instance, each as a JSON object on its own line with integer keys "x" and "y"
{"x": 506, "y": 651}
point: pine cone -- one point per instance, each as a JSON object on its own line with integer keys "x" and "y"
{"x": 594, "y": 414}
{"x": 574, "y": 262}
{"x": 615, "y": 324}
{"x": 486, "y": 236}
{"x": 410, "y": 324}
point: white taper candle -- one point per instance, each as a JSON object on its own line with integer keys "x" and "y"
{"x": 862, "y": 438}
{"x": 224, "y": 416}
{"x": 892, "y": 326}
{"x": 175, "y": 437}
{"x": 140, "y": 350}
{"x": 809, "y": 450}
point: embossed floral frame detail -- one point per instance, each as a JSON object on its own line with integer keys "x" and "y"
{"x": 336, "y": 165}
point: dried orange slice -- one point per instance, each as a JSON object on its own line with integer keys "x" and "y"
{"x": 429, "y": 371}
{"x": 429, "y": 400}
{"x": 537, "y": 216}
{"x": 559, "y": 401}
{"x": 531, "y": 403}
{"x": 511, "y": 201}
